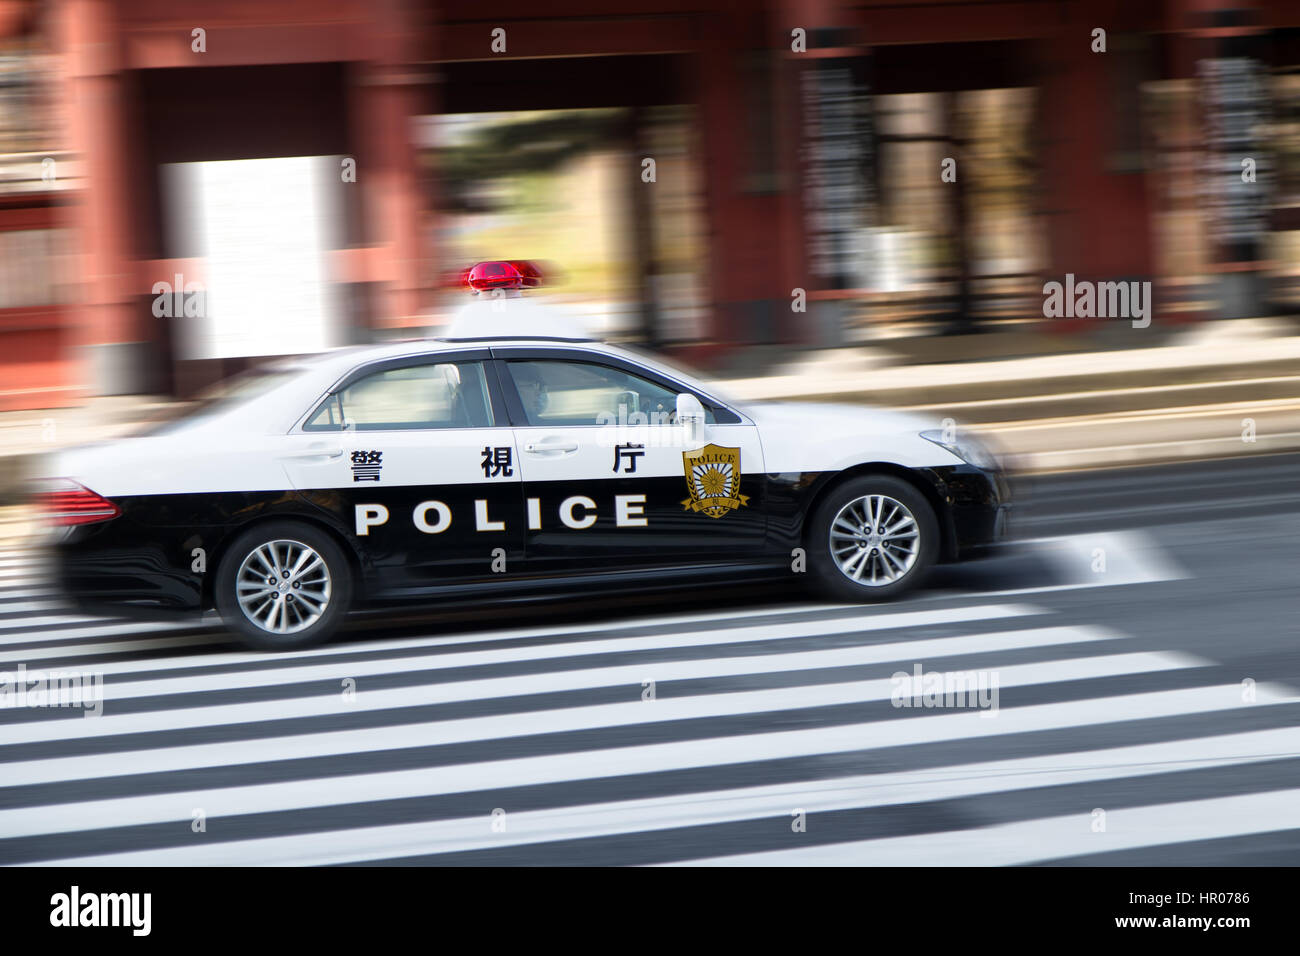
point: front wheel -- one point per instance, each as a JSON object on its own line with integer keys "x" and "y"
{"x": 283, "y": 585}
{"x": 872, "y": 538}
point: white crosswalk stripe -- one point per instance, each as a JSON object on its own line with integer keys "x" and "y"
{"x": 698, "y": 639}
{"x": 606, "y": 731}
{"x": 597, "y": 677}
{"x": 593, "y": 821}
{"x": 1163, "y": 824}
{"x": 556, "y": 721}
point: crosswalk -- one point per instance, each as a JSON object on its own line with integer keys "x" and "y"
{"x": 760, "y": 735}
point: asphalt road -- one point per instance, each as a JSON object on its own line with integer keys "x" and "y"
{"x": 1137, "y": 649}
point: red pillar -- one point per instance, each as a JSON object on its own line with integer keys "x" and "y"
{"x": 1099, "y": 217}
{"x": 744, "y": 251}
{"x": 789, "y": 125}
{"x": 385, "y": 98}
{"x": 108, "y": 336}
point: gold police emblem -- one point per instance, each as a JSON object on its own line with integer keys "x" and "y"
{"x": 713, "y": 479}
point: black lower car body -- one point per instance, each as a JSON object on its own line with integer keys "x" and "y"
{"x": 161, "y": 554}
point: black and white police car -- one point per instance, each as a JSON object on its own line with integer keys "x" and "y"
{"x": 511, "y": 459}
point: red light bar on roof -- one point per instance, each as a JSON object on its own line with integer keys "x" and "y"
{"x": 512, "y": 274}
{"x": 529, "y": 271}
{"x": 494, "y": 275}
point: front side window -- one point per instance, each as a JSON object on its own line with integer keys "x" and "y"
{"x": 434, "y": 395}
{"x": 559, "y": 392}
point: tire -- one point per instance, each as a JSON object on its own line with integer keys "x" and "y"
{"x": 854, "y": 500}
{"x": 302, "y": 618}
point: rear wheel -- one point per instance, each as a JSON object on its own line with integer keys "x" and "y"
{"x": 872, "y": 538}
{"x": 283, "y": 585}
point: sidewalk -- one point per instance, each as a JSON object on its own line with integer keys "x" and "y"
{"x": 18, "y": 526}
{"x": 1191, "y": 397}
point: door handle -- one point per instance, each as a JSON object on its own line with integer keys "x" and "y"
{"x": 553, "y": 446}
{"x": 328, "y": 454}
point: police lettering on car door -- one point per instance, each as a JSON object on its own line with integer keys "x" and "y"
{"x": 576, "y": 511}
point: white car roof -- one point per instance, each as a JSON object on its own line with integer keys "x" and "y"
{"x": 496, "y": 323}
{"x": 487, "y": 321}
{"x": 338, "y": 362}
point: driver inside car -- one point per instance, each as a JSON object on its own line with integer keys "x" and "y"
{"x": 532, "y": 391}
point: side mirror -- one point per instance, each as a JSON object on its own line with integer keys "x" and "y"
{"x": 690, "y": 415}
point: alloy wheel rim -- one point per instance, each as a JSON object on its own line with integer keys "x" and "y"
{"x": 875, "y": 540}
{"x": 283, "y": 586}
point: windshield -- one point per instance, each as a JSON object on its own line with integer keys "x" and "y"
{"x": 224, "y": 395}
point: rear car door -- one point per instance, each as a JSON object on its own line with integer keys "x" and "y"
{"x": 611, "y": 481}
{"x": 414, "y": 458}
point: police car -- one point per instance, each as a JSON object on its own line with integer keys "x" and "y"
{"x": 513, "y": 458}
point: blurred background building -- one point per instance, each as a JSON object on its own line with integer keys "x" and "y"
{"x": 189, "y": 185}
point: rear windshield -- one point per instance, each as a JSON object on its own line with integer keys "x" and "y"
{"x": 226, "y": 394}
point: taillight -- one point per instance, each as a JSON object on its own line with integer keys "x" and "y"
{"x": 65, "y": 502}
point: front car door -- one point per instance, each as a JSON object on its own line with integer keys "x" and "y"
{"x": 415, "y": 459}
{"x": 612, "y": 481}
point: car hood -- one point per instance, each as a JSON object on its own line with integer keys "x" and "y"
{"x": 854, "y": 419}
{"x": 813, "y": 436}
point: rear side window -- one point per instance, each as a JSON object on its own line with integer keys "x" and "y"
{"x": 433, "y": 395}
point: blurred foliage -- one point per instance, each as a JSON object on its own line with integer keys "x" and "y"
{"x": 514, "y": 147}
{"x": 556, "y": 186}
